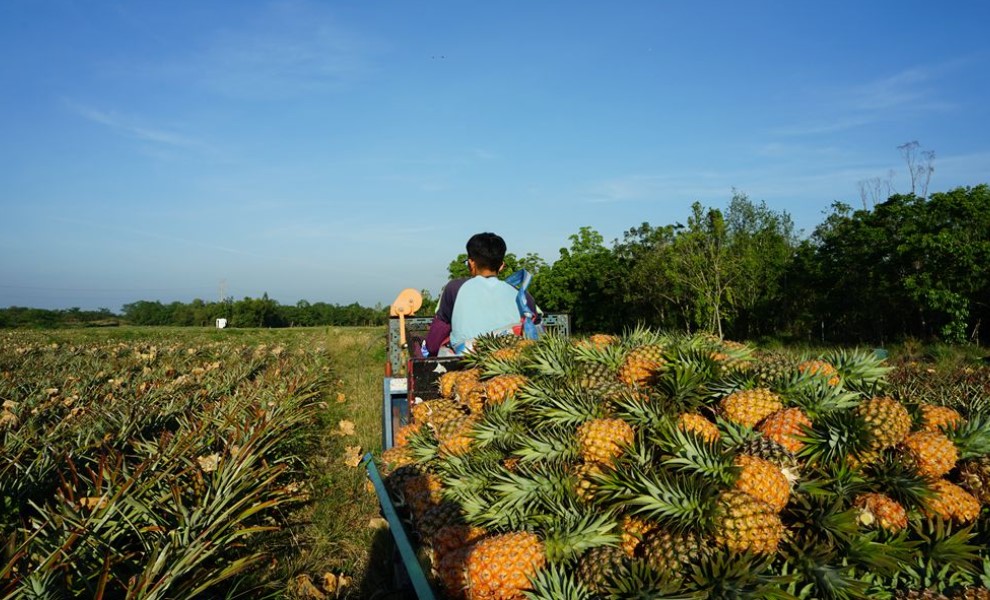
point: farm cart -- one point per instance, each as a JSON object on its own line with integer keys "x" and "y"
{"x": 406, "y": 382}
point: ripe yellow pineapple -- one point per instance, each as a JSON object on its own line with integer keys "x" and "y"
{"x": 584, "y": 487}
{"x": 881, "y": 511}
{"x": 604, "y": 440}
{"x": 785, "y": 427}
{"x": 435, "y": 412}
{"x": 447, "y": 382}
{"x": 421, "y": 492}
{"x": 403, "y": 433}
{"x": 436, "y": 517}
{"x": 499, "y": 567}
{"x": 469, "y": 391}
{"x": 820, "y": 368}
{"x": 454, "y": 435}
{"x": 974, "y": 476}
{"x": 500, "y": 387}
{"x": 451, "y": 568}
{"x": 749, "y": 407}
{"x": 931, "y": 454}
{"x": 937, "y": 418}
{"x": 745, "y": 524}
{"x": 641, "y": 365}
{"x": 395, "y": 457}
{"x": 512, "y": 352}
{"x": 949, "y": 501}
{"x": 887, "y": 421}
{"x": 454, "y": 536}
{"x": 634, "y": 529}
{"x": 762, "y": 480}
{"x": 600, "y": 340}
{"x": 698, "y": 424}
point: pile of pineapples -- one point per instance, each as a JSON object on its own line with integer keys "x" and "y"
{"x": 655, "y": 465}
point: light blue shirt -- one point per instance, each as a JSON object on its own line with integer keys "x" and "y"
{"x": 484, "y": 305}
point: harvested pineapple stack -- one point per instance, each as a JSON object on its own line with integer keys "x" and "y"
{"x": 655, "y": 465}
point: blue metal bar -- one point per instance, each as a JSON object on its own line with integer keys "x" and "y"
{"x": 416, "y": 575}
{"x": 387, "y": 414}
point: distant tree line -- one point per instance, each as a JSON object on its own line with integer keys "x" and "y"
{"x": 18, "y": 316}
{"x": 249, "y": 312}
{"x": 909, "y": 267}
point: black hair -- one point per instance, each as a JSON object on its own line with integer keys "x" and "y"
{"x": 487, "y": 250}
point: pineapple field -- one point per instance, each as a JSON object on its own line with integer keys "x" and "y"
{"x": 657, "y": 465}
{"x": 180, "y": 463}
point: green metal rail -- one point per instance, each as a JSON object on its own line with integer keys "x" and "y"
{"x": 416, "y": 575}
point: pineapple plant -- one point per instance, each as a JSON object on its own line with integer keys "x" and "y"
{"x": 749, "y": 407}
{"x": 603, "y": 440}
{"x": 879, "y": 510}
{"x": 772, "y": 451}
{"x": 746, "y": 524}
{"x": 500, "y": 387}
{"x": 762, "y": 480}
{"x": 974, "y": 476}
{"x": 596, "y": 567}
{"x": 699, "y": 425}
{"x": 499, "y": 567}
{"x": 673, "y": 553}
{"x": 642, "y": 364}
{"x": 932, "y": 454}
{"x": 584, "y": 480}
{"x": 820, "y": 369}
{"x": 454, "y": 435}
{"x": 951, "y": 502}
{"x": 772, "y": 368}
{"x": 633, "y": 530}
{"x": 938, "y": 418}
{"x": 786, "y": 427}
{"x": 403, "y": 433}
{"x": 887, "y": 420}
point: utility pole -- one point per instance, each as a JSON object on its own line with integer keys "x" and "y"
{"x": 223, "y": 290}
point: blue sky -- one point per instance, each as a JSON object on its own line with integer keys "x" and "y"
{"x": 343, "y": 151}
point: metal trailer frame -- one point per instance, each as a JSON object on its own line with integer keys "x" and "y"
{"x": 416, "y": 577}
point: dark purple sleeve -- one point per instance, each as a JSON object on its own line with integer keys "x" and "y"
{"x": 532, "y": 306}
{"x": 440, "y": 327}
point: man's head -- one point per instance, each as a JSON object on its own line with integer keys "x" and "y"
{"x": 487, "y": 251}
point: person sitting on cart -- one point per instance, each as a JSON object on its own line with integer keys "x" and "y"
{"x": 476, "y": 305}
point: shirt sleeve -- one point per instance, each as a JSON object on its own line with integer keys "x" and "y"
{"x": 537, "y": 315}
{"x": 440, "y": 327}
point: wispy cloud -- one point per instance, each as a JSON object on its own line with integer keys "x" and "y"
{"x": 135, "y": 128}
{"x": 907, "y": 92}
{"x": 643, "y": 187}
{"x": 834, "y": 125}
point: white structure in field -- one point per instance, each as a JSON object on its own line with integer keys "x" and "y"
{"x": 221, "y": 323}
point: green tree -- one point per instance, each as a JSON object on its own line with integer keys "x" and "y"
{"x": 651, "y": 291}
{"x": 585, "y": 282}
{"x": 761, "y": 243}
{"x": 702, "y": 263}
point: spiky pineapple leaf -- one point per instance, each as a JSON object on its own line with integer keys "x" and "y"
{"x": 557, "y": 583}
{"x": 679, "y": 503}
{"x": 570, "y": 533}
{"x": 971, "y": 436}
{"x": 726, "y": 575}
